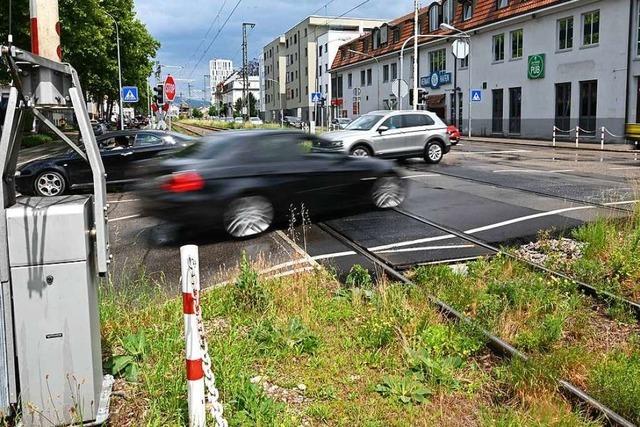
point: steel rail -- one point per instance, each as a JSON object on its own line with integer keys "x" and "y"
{"x": 495, "y": 343}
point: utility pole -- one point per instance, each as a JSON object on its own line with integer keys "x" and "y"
{"x": 416, "y": 31}
{"x": 189, "y": 90}
{"x": 245, "y": 71}
{"x": 204, "y": 87}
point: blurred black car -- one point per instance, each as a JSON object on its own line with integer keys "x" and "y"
{"x": 292, "y": 121}
{"x": 245, "y": 181}
{"x": 57, "y": 174}
{"x": 99, "y": 128}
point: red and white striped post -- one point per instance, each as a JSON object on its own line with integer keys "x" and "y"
{"x": 45, "y": 29}
{"x": 195, "y": 374}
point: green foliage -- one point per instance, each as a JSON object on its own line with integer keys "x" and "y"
{"x": 196, "y": 113}
{"x": 596, "y": 235}
{"x": 294, "y": 338}
{"x": 213, "y": 111}
{"x": 405, "y": 389}
{"x": 616, "y": 383}
{"x": 359, "y": 277}
{"x": 249, "y": 293}
{"x": 128, "y": 365}
{"x": 377, "y": 332}
{"x": 252, "y": 407}
{"x": 35, "y": 140}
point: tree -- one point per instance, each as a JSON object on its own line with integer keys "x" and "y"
{"x": 213, "y": 111}
{"x": 237, "y": 107}
{"x": 196, "y": 113}
{"x": 88, "y": 40}
{"x": 253, "y": 105}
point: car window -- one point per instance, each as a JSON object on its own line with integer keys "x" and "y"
{"x": 365, "y": 122}
{"x": 393, "y": 122}
{"x": 416, "y": 120}
{"x": 146, "y": 140}
{"x": 279, "y": 148}
{"x": 118, "y": 142}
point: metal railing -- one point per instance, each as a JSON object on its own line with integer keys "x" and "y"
{"x": 578, "y": 131}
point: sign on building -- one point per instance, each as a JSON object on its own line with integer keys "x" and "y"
{"x": 476, "y": 95}
{"x": 435, "y": 80}
{"x": 535, "y": 66}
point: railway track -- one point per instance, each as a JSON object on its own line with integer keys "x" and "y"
{"x": 497, "y": 345}
{"x": 199, "y": 130}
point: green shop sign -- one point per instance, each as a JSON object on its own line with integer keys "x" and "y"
{"x": 535, "y": 67}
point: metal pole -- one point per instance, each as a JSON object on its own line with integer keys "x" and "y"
{"x": 416, "y": 6}
{"x": 454, "y": 116}
{"x": 469, "y": 94}
{"x": 119, "y": 69}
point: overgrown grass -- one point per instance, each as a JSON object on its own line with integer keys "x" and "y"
{"x": 33, "y": 140}
{"x": 229, "y": 125}
{"x": 565, "y": 331}
{"x": 367, "y": 355}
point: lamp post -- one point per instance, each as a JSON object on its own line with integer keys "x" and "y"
{"x": 378, "y": 73}
{"x": 279, "y": 100}
{"x": 404, "y": 45}
{"x": 467, "y": 36}
{"x": 119, "y": 70}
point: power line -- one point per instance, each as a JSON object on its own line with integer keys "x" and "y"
{"x": 202, "y": 40}
{"x": 322, "y": 7}
{"x": 224, "y": 24}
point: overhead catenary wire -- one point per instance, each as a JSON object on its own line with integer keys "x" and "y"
{"x": 213, "y": 22}
{"x": 224, "y": 24}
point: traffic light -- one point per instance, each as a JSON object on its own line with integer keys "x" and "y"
{"x": 159, "y": 94}
{"x": 422, "y": 96}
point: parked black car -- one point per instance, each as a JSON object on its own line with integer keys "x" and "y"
{"x": 57, "y": 174}
{"x": 294, "y": 122}
{"x": 245, "y": 181}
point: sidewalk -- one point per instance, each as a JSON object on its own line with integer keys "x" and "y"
{"x": 588, "y": 146}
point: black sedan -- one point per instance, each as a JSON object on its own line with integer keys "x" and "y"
{"x": 55, "y": 175}
{"x": 244, "y": 181}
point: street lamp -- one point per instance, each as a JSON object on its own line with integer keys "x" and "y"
{"x": 119, "y": 69}
{"x": 279, "y": 100}
{"x": 467, "y": 36}
{"x": 378, "y": 73}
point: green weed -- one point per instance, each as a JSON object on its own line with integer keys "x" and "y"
{"x": 128, "y": 364}
{"x": 359, "y": 277}
{"x": 249, "y": 294}
{"x": 405, "y": 389}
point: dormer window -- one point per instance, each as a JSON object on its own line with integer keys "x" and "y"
{"x": 434, "y": 17}
{"x": 467, "y": 10}
{"x": 501, "y": 4}
{"x": 448, "y": 11}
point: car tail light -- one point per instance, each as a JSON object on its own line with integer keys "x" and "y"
{"x": 184, "y": 182}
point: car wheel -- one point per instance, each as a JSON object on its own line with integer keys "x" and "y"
{"x": 360, "y": 151}
{"x": 388, "y": 192}
{"x": 433, "y": 152}
{"x": 248, "y": 216}
{"x": 49, "y": 184}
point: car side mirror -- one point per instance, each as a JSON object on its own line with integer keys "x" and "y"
{"x": 382, "y": 129}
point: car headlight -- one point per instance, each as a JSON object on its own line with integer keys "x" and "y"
{"x": 18, "y": 173}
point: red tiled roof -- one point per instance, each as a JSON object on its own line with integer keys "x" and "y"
{"x": 484, "y": 12}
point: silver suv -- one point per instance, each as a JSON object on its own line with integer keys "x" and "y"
{"x": 392, "y": 134}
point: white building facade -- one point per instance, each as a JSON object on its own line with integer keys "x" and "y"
{"x": 532, "y": 66}
{"x": 219, "y": 70}
{"x": 230, "y": 91}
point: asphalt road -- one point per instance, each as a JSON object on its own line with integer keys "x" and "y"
{"x": 499, "y": 193}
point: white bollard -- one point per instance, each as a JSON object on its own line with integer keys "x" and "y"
{"x": 195, "y": 373}
{"x": 602, "y": 138}
{"x": 577, "y": 135}
{"x": 554, "y": 136}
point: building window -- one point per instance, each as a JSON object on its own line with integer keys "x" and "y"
{"x": 515, "y": 109}
{"x": 565, "y": 33}
{"x": 464, "y": 62}
{"x": 305, "y": 32}
{"x": 362, "y": 78}
{"x": 516, "y": 44}
{"x": 497, "y": 110}
{"x": 498, "y": 48}
{"x": 385, "y": 73}
{"x": 638, "y": 32}
{"x": 591, "y": 28}
{"x": 434, "y": 17}
{"x": 326, "y": 68}
{"x": 501, "y": 4}
{"x": 306, "y": 51}
{"x": 563, "y": 106}
{"x": 369, "y": 77}
{"x": 295, "y": 39}
{"x": 394, "y": 71}
{"x": 588, "y": 105}
{"x": 326, "y": 48}
{"x": 319, "y": 70}
{"x": 320, "y": 51}
{"x": 349, "y": 81}
{"x": 448, "y": 11}
{"x": 467, "y": 10}
{"x": 438, "y": 60}
{"x": 396, "y": 37}
{"x": 306, "y": 71}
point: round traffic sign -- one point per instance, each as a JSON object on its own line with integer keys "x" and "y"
{"x": 169, "y": 88}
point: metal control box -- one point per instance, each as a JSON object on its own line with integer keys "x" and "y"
{"x": 54, "y": 284}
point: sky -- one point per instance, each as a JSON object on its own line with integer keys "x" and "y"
{"x": 181, "y": 27}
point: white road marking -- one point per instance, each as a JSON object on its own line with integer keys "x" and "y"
{"x": 424, "y": 175}
{"x": 492, "y": 152}
{"x": 625, "y": 168}
{"x": 479, "y": 229}
{"x": 531, "y": 171}
{"x": 426, "y": 248}
{"x": 627, "y": 202}
{"x": 283, "y": 265}
{"x": 33, "y": 160}
{"x": 333, "y": 255}
{"x": 124, "y": 218}
{"x": 123, "y": 201}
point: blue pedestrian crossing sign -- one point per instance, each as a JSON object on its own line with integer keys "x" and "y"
{"x": 316, "y": 97}
{"x": 130, "y": 94}
{"x": 476, "y": 95}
